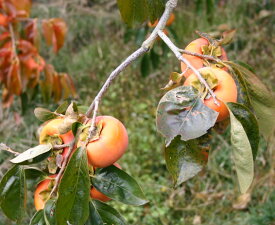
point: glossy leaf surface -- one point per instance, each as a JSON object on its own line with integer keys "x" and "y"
{"x": 118, "y": 185}
{"x": 184, "y": 159}
{"x": 74, "y": 191}
{"x": 13, "y": 193}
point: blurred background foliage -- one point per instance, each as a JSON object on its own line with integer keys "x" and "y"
{"x": 97, "y": 42}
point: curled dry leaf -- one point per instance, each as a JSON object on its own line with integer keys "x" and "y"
{"x": 242, "y": 201}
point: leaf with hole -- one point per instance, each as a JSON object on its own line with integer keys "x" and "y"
{"x": 182, "y": 112}
{"x": 49, "y": 212}
{"x": 118, "y": 185}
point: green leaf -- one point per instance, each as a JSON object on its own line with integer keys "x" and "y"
{"x": 62, "y": 108}
{"x": 184, "y": 159}
{"x": 74, "y": 191}
{"x": 210, "y": 9}
{"x": 138, "y": 11}
{"x": 33, "y": 155}
{"x": 249, "y": 123}
{"x": 38, "y": 218}
{"x": 154, "y": 58}
{"x": 94, "y": 217}
{"x": 145, "y": 66}
{"x": 182, "y": 112}
{"x": 34, "y": 175}
{"x": 101, "y": 213}
{"x": 118, "y": 185}
{"x": 13, "y": 194}
{"x": 44, "y": 114}
{"x": 49, "y": 212}
{"x": 262, "y": 100}
{"x": 75, "y": 127}
{"x": 242, "y": 154}
{"x": 82, "y": 109}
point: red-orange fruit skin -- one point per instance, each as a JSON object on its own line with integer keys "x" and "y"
{"x": 226, "y": 91}
{"x": 51, "y": 128}
{"x": 39, "y": 203}
{"x": 168, "y": 23}
{"x": 111, "y": 145}
{"x": 196, "y": 62}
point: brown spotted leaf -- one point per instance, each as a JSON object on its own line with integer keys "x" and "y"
{"x": 182, "y": 112}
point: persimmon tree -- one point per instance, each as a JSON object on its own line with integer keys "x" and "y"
{"x": 183, "y": 118}
{"x": 21, "y": 66}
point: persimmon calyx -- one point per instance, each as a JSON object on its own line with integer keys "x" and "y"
{"x": 95, "y": 135}
{"x": 52, "y": 139}
{"x": 211, "y": 80}
{"x": 212, "y": 50}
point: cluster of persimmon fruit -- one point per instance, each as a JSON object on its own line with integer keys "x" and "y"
{"x": 216, "y": 75}
{"x": 103, "y": 150}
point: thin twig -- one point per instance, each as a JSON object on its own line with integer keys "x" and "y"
{"x": 92, "y": 128}
{"x": 63, "y": 167}
{"x": 170, "y": 5}
{"x": 175, "y": 50}
{"x": 114, "y": 74}
{"x": 199, "y": 55}
{"x": 58, "y": 147}
{"x": 4, "y": 147}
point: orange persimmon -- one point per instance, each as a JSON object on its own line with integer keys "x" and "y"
{"x": 42, "y": 192}
{"x": 226, "y": 90}
{"x": 197, "y": 62}
{"x": 109, "y": 145}
{"x": 50, "y": 134}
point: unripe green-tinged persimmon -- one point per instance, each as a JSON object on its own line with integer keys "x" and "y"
{"x": 109, "y": 145}
{"x": 95, "y": 194}
{"x": 51, "y": 134}
{"x": 197, "y": 62}
{"x": 168, "y": 23}
{"x": 225, "y": 91}
{"x": 42, "y": 192}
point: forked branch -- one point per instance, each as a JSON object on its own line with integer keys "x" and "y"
{"x": 175, "y": 50}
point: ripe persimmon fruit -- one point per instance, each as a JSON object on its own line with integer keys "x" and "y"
{"x": 42, "y": 192}
{"x": 50, "y": 134}
{"x": 168, "y": 23}
{"x": 226, "y": 90}
{"x": 197, "y": 62}
{"x": 95, "y": 194}
{"x": 108, "y": 145}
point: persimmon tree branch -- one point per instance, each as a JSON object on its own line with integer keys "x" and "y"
{"x": 175, "y": 50}
{"x": 93, "y": 108}
{"x": 62, "y": 169}
{"x": 4, "y": 147}
{"x": 200, "y": 55}
{"x": 147, "y": 44}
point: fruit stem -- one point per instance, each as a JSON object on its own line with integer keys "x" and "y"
{"x": 175, "y": 50}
